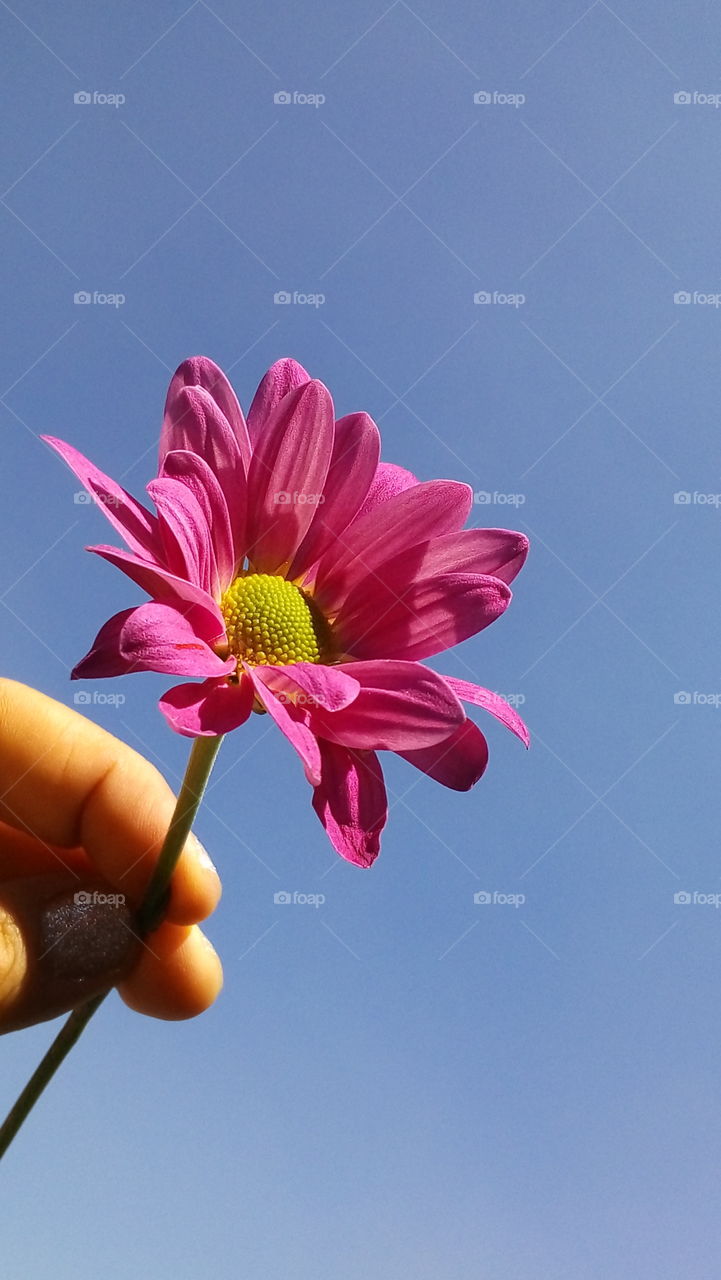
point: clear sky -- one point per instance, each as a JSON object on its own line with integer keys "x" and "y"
{"x": 400, "y": 1082}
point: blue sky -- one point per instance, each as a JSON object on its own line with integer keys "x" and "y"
{"x": 401, "y": 1081}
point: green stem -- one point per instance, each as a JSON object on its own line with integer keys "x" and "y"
{"x": 149, "y": 916}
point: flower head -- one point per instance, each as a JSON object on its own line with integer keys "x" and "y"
{"x": 294, "y": 573}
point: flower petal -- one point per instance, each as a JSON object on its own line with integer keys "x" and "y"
{"x": 287, "y": 475}
{"x": 400, "y": 706}
{"x": 353, "y": 463}
{"x": 456, "y": 762}
{"x": 330, "y": 687}
{"x": 154, "y": 637}
{"x": 194, "y": 423}
{"x": 162, "y": 585}
{"x": 202, "y": 374}
{"x": 493, "y": 702}
{"x": 498, "y": 552}
{"x": 351, "y": 802}
{"x": 431, "y": 616}
{"x": 416, "y": 514}
{"x": 197, "y": 477}
{"x": 388, "y": 480}
{"x": 290, "y": 724}
{"x": 186, "y": 537}
{"x": 137, "y": 526}
{"x": 283, "y": 376}
{"x": 209, "y": 709}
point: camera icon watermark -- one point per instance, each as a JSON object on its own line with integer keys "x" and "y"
{"x": 683, "y": 298}
{"x": 488, "y": 98}
{"x": 94, "y": 898}
{"x": 298, "y": 498}
{"x": 483, "y": 298}
{"x": 484, "y": 898}
{"x": 83, "y": 298}
{"x": 513, "y": 699}
{"x": 94, "y": 698}
{"x": 288, "y": 98}
{"x": 284, "y": 898}
{"x": 284, "y": 298}
{"x": 684, "y": 98}
{"x": 682, "y": 498}
{"x": 483, "y": 498}
{"x": 696, "y": 699}
{"x": 84, "y": 98}
{"x": 683, "y": 898}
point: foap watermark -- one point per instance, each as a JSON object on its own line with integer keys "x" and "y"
{"x": 494, "y": 98}
{"x": 298, "y": 498}
{"x": 483, "y": 498}
{"x": 82, "y": 498}
{"x": 295, "y": 698}
{"x": 696, "y": 699}
{"x": 683, "y": 298}
{"x": 682, "y": 498}
{"x": 296, "y": 899}
{"x": 94, "y": 898}
{"x": 484, "y": 898}
{"x": 692, "y": 98}
{"x": 88, "y": 697}
{"x": 497, "y": 299}
{"x": 85, "y": 98}
{"x": 294, "y": 98}
{"x": 513, "y": 699}
{"x": 284, "y": 298}
{"x": 683, "y": 898}
{"x": 83, "y": 298}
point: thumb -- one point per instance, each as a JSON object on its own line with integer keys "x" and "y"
{"x": 62, "y": 941}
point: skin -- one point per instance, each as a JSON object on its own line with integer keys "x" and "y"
{"x": 80, "y": 810}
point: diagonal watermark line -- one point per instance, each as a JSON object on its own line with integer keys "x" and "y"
{"x": 601, "y": 799}
{"x": 398, "y": 400}
{"x": 358, "y": 39}
{"x": 558, "y": 40}
{"x": 35, "y": 635}
{"x": 660, "y": 938}
{"x": 235, "y": 36}
{"x": 45, "y": 353}
{"x": 171, "y": 772}
{"x": 636, "y": 36}
{"x": 45, "y": 153}
{"x": 600, "y": 599}
{"x": 162, "y": 36}
{"x": 600, "y": 399}
{"x": 436, "y": 36}
{"x": 36, "y": 562}
{"x": 39, "y": 239}
{"x": 199, "y": 199}
{"x": 431, "y": 367}
{"x": 399, "y": 199}
{"x": 337, "y": 937}
{"x": 538, "y": 938}
{"x": 605, "y": 603}
{"x": 465, "y": 934}
{"x": 260, "y": 939}
{"x": 599, "y": 200}
{"x": 39, "y": 39}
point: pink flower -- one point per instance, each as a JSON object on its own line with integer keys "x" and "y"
{"x": 294, "y": 573}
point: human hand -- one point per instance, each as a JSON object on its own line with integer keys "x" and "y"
{"x": 82, "y": 814}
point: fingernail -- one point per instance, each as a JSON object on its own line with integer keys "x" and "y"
{"x": 87, "y": 934}
{"x": 200, "y": 853}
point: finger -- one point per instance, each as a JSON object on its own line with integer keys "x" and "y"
{"x": 60, "y": 945}
{"x": 178, "y": 974}
{"x": 71, "y": 784}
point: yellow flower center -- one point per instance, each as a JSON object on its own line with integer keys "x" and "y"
{"x": 269, "y": 620}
